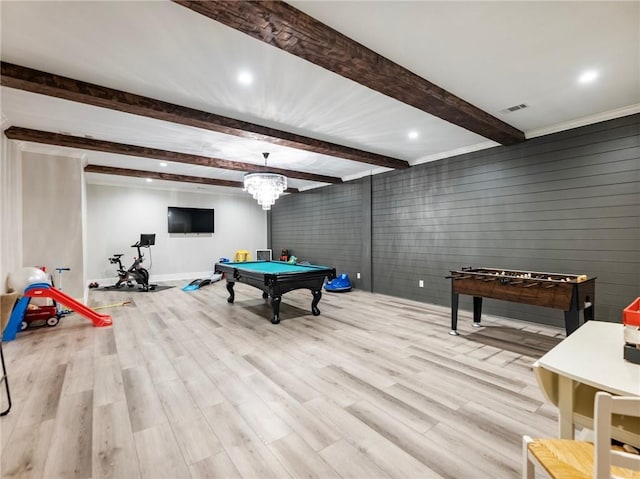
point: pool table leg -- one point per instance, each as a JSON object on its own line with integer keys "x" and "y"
{"x": 317, "y": 294}
{"x": 275, "y": 304}
{"x": 232, "y": 295}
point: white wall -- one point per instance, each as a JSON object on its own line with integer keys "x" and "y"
{"x": 52, "y": 230}
{"x": 116, "y": 216}
{"x": 10, "y": 209}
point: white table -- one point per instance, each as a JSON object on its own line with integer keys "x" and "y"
{"x": 588, "y": 361}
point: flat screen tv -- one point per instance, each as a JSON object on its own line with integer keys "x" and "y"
{"x": 190, "y": 220}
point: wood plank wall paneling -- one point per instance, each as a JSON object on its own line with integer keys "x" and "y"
{"x": 567, "y": 202}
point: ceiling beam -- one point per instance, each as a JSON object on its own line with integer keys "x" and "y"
{"x": 58, "y": 139}
{"x": 154, "y": 175}
{"x": 284, "y": 27}
{"x": 35, "y": 81}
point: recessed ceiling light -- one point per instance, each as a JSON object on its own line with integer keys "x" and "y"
{"x": 149, "y": 180}
{"x": 588, "y": 76}
{"x": 245, "y": 78}
{"x": 163, "y": 164}
{"x": 413, "y": 134}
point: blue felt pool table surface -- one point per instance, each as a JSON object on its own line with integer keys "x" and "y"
{"x": 276, "y": 267}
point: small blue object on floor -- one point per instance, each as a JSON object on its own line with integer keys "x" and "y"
{"x": 339, "y": 284}
{"x": 198, "y": 283}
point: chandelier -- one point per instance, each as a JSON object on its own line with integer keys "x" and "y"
{"x": 265, "y": 187}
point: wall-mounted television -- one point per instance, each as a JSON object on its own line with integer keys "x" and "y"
{"x": 190, "y": 220}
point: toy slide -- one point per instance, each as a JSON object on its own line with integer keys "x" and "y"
{"x": 44, "y": 290}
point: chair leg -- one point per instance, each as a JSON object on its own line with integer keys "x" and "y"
{"x": 528, "y": 468}
{"x": 4, "y": 379}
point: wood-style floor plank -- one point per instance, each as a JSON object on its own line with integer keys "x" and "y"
{"x": 159, "y": 454}
{"x": 247, "y": 452}
{"x": 108, "y": 382}
{"x": 219, "y": 466}
{"x": 351, "y": 462}
{"x": 113, "y": 452}
{"x": 72, "y": 438}
{"x": 143, "y": 402}
{"x": 26, "y": 456}
{"x": 187, "y": 385}
{"x": 196, "y": 439}
{"x": 300, "y": 460}
{"x": 394, "y": 461}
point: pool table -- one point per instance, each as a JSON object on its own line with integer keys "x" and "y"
{"x": 275, "y": 278}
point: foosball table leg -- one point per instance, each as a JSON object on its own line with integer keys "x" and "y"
{"x": 477, "y": 311}
{"x": 572, "y": 318}
{"x": 589, "y": 309}
{"x": 454, "y": 313}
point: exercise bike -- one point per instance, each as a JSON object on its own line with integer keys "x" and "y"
{"x": 136, "y": 273}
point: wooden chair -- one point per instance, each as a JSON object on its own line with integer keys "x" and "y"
{"x": 4, "y": 380}
{"x": 7, "y": 302}
{"x": 568, "y": 459}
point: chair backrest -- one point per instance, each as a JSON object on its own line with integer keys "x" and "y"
{"x": 605, "y": 457}
{"x": 7, "y": 302}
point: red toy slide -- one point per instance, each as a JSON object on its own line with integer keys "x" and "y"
{"x": 43, "y": 291}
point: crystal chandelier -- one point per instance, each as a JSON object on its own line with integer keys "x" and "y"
{"x": 265, "y": 187}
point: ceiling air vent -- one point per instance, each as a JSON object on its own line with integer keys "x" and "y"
{"x": 513, "y": 108}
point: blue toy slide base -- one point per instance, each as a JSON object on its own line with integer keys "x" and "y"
{"x": 19, "y": 310}
{"x": 15, "y": 319}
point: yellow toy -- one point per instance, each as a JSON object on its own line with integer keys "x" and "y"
{"x": 242, "y": 255}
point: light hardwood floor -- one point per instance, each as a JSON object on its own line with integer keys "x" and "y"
{"x": 186, "y": 385}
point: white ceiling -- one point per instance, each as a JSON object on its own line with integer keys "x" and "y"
{"x": 491, "y": 54}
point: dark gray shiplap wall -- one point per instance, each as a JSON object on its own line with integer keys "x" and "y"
{"x": 567, "y": 202}
{"x": 326, "y": 226}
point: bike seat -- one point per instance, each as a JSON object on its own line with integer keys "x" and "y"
{"x": 118, "y": 255}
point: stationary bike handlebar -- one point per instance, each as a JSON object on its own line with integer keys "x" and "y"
{"x": 138, "y": 245}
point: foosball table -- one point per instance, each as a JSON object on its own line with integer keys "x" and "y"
{"x": 568, "y": 292}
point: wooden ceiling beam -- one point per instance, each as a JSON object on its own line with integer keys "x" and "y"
{"x": 58, "y": 139}
{"x": 35, "y": 81}
{"x": 283, "y": 26}
{"x": 154, "y": 175}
